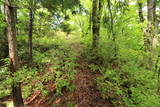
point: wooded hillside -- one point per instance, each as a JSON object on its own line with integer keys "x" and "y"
{"x": 79, "y": 53}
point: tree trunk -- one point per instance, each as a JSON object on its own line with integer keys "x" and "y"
{"x": 16, "y": 19}
{"x": 30, "y": 34}
{"x": 111, "y": 19}
{"x": 17, "y": 95}
{"x": 90, "y": 22}
{"x": 113, "y": 35}
{"x": 151, "y": 6}
{"x": 140, "y": 11}
{"x": 141, "y": 19}
{"x": 14, "y": 63}
{"x": 96, "y": 16}
{"x": 150, "y": 38}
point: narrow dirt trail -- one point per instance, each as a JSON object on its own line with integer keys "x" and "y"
{"x": 86, "y": 93}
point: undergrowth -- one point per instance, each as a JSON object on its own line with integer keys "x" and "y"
{"x": 54, "y": 62}
{"x": 124, "y": 80}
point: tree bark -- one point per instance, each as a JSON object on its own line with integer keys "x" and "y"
{"x": 96, "y": 16}
{"x": 140, "y": 11}
{"x": 90, "y": 22}
{"x": 151, "y": 6}
{"x": 150, "y": 37}
{"x": 141, "y": 19}
{"x": 17, "y": 95}
{"x": 16, "y": 20}
{"x": 12, "y": 43}
{"x": 111, "y": 19}
{"x": 113, "y": 35}
{"x": 30, "y": 34}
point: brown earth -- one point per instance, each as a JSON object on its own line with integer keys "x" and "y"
{"x": 86, "y": 93}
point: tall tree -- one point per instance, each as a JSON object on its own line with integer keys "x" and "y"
{"x": 30, "y": 34}
{"x": 150, "y": 37}
{"x": 111, "y": 18}
{"x": 151, "y": 7}
{"x": 12, "y": 43}
{"x": 32, "y": 8}
{"x": 96, "y": 18}
{"x": 111, "y": 28}
{"x": 140, "y": 10}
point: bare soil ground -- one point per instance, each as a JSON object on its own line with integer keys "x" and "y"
{"x": 86, "y": 93}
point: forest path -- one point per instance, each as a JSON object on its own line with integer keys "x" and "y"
{"x": 86, "y": 93}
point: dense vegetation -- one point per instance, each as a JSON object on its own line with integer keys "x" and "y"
{"x": 85, "y": 53}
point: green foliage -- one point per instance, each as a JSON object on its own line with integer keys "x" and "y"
{"x": 56, "y": 51}
{"x": 124, "y": 79}
{"x": 27, "y": 91}
{"x": 125, "y": 82}
{"x": 61, "y": 84}
{"x": 5, "y": 80}
{"x": 59, "y": 5}
{"x": 61, "y": 28}
{"x": 129, "y": 87}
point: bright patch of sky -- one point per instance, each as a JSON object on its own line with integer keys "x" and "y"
{"x": 71, "y": 23}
